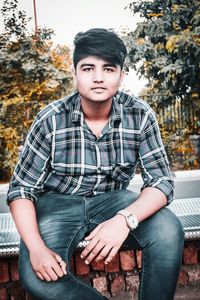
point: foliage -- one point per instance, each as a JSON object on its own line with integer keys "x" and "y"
{"x": 33, "y": 73}
{"x": 180, "y": 149}
{"x": 165, "y": 48}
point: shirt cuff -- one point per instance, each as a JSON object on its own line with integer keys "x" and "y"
{"x": 165, "y": 186}
{"x": 19, "y": 193}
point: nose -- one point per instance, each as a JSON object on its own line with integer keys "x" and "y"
{"x": 98, "y": 76}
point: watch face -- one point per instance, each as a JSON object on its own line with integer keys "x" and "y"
{"x": 132, "y": 221}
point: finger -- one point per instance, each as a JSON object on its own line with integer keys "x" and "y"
{"x": 51, "y": 273}
{"x": 62, "y": 265}
{"x": 93, "y": 233}
{"x": 39, "y": 275}
{"x": 57, "y": 257}
{"x": 111, "y": 255}
{"x": 60, "y": 268}
{"x": 104, "y": 252}
{"x": 89, "y": 248}
{"x": 95, "y": 251}
{"x": 45, "y": 275}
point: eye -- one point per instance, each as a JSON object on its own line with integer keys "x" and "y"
{"x": 88, "y": 69}
{"x": 109, "y": 70}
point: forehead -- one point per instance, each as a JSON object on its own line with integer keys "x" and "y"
{"x": 94, "y": 60}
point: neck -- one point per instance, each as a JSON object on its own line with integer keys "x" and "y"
{"x": 96, "y": 111}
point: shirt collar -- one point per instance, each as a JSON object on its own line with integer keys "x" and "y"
{"x": 77, "y": 114}
{"x": 116, "y": 111}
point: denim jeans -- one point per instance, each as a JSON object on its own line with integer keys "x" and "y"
{"x": 64, "y": 220}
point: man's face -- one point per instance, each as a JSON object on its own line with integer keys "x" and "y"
{"x": 96, "y": 79}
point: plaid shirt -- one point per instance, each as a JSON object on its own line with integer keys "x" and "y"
{"x": 62, "y": 154}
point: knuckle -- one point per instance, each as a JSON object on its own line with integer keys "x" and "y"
{"x": 94, "y": 252}
{"x": 103, "y": 241}
{"x": 45, "y": 266}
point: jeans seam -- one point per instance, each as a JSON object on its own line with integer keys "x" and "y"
{"x": 143, "y": 275}
{"x": 143, "y": 265}
{"x": 137, "y": 238}
{"x": 67, "y": 254}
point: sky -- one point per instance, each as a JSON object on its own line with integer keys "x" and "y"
{"x": 68, "y": 17}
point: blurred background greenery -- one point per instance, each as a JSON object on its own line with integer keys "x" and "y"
{"x": 164, "y": 48}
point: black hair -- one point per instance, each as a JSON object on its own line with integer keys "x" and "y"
{"x": 99, "y": 42}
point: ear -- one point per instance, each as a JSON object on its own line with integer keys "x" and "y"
{"x": 74, "y": 77}
{"x": 121, "y": 77}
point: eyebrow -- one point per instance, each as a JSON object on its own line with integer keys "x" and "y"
{"x": 93, "y": 65}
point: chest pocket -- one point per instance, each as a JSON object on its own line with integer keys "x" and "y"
{"x": 123, "y": 172}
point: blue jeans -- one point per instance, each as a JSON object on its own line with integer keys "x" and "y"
{"x": 64, "y": 220}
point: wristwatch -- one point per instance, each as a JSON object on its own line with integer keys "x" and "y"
{"x": 131, "y": 219}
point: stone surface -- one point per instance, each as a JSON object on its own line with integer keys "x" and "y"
{"x": 183, "y": 277}
{"x": 113, "y": 266}
{"x": 187, "y": 293}
{"x": 132, "y": 284}
{"x": 80, "y": 266}
{"x": 3, "y": 294}
{"x": 117, "y": 285}
{"x": 194, "y": 275}
{"x": 98, "y": 265}
{"x": 100, "y": 284}
{"x": 190, "y": 254}
{"x": 139, "y": 258}
{"x": 4, "y": 273}
{"x": 127, "y": 260}
{"x": 17, "y": 293}
{"x": 14, "y": 270}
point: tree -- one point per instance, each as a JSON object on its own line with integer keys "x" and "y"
{"x": 33, "y": 73}
{"x": 165, "y": 48}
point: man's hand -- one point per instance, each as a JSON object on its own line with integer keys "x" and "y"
{"x": 47, "y": 264}
{"x": 106, "y": 239}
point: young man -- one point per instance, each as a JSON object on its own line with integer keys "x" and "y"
{"x": 70, "y": 182}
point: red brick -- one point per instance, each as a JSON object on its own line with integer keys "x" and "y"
{"x": 117, "y": 286}
{"x": 194, "y": 275}
{"x": 113, "y": 266}
{"x": 132, "y": 285}
{"x": 98, "y": 265}
{"x": 3, "y": 294}
{"x": 190, "y": 254}
{"x": 17, "y": 293}
{"x": 183, "y": 278}
{"x": 139, "y": 258}
{"x": 4, "y": 273}
{"x": 100, "y": 284}
{"x": 80, "y": 266}
{"x": 14, "y": 270}
{"x": 127, "y": 260}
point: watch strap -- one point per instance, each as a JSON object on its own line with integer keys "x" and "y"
{"x": 132, "y": 225}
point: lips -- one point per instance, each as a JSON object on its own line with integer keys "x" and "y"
{"x": 98, "y": 88}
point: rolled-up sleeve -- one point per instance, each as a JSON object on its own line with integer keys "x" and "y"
{"x": 31, "y": 169}
{"x": 153, "y": 160}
